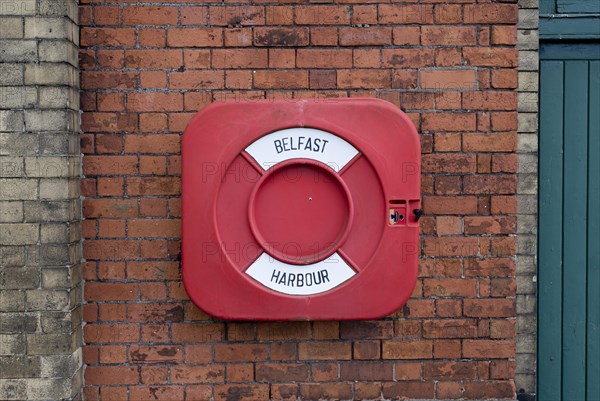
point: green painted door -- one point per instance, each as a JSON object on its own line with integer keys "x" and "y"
{"x": 569, "y": 229}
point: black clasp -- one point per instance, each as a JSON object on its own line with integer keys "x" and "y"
{"x": 418, "y": 213}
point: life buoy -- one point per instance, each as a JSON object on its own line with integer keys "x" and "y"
{"x": 300, "y": 210}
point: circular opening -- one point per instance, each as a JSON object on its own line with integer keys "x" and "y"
{"x": 300, "y": 211}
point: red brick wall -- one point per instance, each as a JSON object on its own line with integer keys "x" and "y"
{"x": 146, "y": 69}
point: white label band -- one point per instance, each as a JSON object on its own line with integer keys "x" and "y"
{"x": 300, "y": 280}
{"x": 306, "y": 143}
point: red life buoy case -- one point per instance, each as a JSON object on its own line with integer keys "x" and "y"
{"x": 300, "y": 210}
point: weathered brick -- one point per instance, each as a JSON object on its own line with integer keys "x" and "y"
{"x": 16, "y": 367}
{"x": 281, "y": 36}
{"x": 11, "y": 121}
{"x": 18, "y": 51}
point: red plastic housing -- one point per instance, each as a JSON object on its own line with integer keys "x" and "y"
{"x": 300, "y": 210}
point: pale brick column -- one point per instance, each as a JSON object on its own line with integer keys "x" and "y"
{"x": 528, "y": 45}
{"x": 40, "y": 289}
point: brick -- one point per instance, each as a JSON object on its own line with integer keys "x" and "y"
{"x": 367, "y": 58}
{"x": 235, "y": 16}
{"x": 489, "y": 307}
{"x": 240, "y": 352}
{"x": 151, "y": 58}
{"x": 111, "y": 375}
{"x": 274, "y": 373}
{"x": 108, "y": 80}
{"x": 503, "y": 205}
{"x": 325, "y": 351}
{"x": 153, "y": 207}
{"x": 456, "y": 370}
{"x": 369, "y": 391}
{"x": 111, "y": 101}
{"x": 455, "y": 246}
{"x": 152, "y": 122}
{"x": 490, "y": 267}
{"x": 364, "y": 14}
{"x": 280, "y": 79}
{"x": 504, "y": 121}
{"x": 448, "y": 163}
{"x": 407, "y": 389}
{"x": 366, "y": 350}
{"x": 154, "y": 101}
{"x": 198, "y": 374}
{"x": 403, "y": 58}
{"x": 487, "y": 100}
{"x": 152, "y": 37}
{"x": 149, "y": 393}
{"x": 363, "y": 79}
{"x": 154, "y": 228}
{"x": 111, "y": 291}
{"x": 448, "y": 287}
{"x": 447, "y": 79}
{"x": 405, "y": 14}
{"x": 158, "y": 312}
{"x": 323, "y": 58}
{"x": 323, "y": 36}
{"x": 367, "y": 36}
{"x": 239, "y": 58}
{"x": 194, "y": 15}
{"x": 504, "y": 35}
{"x": 447, "y": 14}
{"x": 496, "y": 389}
{"x": 150, "y": 15}
{"x": 282, "y": 58}
{"x": 449, "y": 121}
{"x": 408, "y": 371}
{"x": 283, "y": 351}
{"x": 195, "y": 37}
{"x": 281, "y": 36}
{"x": 448, "y": 36}
{"x": 406, "y": 35}
{"x": 490, "y": 225}
{"x": 111, "y": 333}
{"x": 109, "y": 122}
{"x": 405, "y": 79}
{"x": 322, "y": 15}
{"x": 109, "y": 208}
{"x": 111, "y": 249}
{"x": 501, "y": 142}
{"x": 287, "y": 331}
{"x": 110, "y": 165}
{"x": 488, "y": 184}
{"x": 106, "y": 59}
{"x": 450, "y": 328}
{"x": 104, "y": 15}
{"x": 366, "y": 371}
{"x": 407, "y": 349}
{"x": 366, "y": 330}
{"x": 490, "y": 14}
{"x": 107, "y": 37}
{"x": 319, "y": 391}
{"x": 490, "y": 57}
{"x": 197, "y": 332}
{"x": 241, "y": 392}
